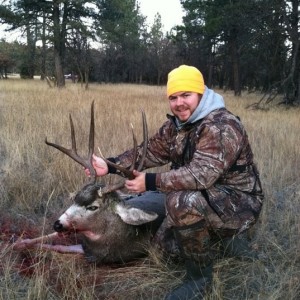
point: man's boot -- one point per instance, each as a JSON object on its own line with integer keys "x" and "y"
{"x": 194, "y": 247}
{"x": 196, "y": 284}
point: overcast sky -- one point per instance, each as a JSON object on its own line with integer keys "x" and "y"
{"x": 170, "y": 11}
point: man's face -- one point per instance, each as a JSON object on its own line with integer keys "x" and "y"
{"x": 183, "y": 104}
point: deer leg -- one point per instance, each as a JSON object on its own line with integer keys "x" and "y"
{"x": 29, "y": 243}
{"x": 38, "y": 243}
{"x": 62, "y": 248}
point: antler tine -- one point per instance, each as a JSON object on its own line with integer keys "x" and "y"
{"x": 87, "y": 163}
{"x": 135, "y": 152}
{"x": 145, "y": 143}
{"x": 92, "y": 143}
{"x": 73, "y": 139}
{"x": 92, "y": 134}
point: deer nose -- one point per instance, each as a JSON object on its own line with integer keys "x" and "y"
{"x": 58, "y": 227}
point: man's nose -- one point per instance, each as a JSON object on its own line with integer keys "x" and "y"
{"x": 179, "y": 100}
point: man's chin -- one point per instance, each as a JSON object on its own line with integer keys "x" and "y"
{"x": 182, "y": 119}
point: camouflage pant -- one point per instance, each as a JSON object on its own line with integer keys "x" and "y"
{"x": 194, "y": 227}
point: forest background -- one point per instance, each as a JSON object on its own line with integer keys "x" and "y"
{"x": 238, "y": 45}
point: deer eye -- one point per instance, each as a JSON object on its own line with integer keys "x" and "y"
{"x": 92, "y": 208}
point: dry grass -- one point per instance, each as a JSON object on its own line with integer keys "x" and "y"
{"x": 35, "y": 177}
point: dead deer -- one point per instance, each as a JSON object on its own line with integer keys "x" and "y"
{"x": 112, "y": 230}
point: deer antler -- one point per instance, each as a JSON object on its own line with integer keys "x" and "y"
{"x": 128, "y": 172}
{"x": 87, "y": 163}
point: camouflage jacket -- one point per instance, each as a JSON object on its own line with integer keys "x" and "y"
{"x": 212, "y": 151}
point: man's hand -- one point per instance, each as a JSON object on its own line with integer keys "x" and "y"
{"x": 99, "y": 165}
{"x": 138, "y": 184}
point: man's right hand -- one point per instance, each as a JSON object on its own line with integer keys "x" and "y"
{"x": 99, "y": 165}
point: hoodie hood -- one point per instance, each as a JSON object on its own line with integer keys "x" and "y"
{"x": 209, "y": 102}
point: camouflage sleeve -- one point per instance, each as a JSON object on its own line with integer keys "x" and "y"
{"x": 218, "y": 146}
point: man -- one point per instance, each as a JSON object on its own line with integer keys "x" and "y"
{"x": 213, "y": 191}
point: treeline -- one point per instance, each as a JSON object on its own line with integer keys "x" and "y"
{"x": 237, "y": 44}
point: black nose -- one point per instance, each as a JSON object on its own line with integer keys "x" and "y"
{"x": 58, "y": 226}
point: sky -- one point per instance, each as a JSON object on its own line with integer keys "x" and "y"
{"x": 170, "y": 10}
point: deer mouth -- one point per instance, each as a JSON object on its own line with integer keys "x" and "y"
{"x": 60, "y": 228}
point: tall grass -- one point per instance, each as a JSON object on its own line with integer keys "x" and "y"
{"x": 35, "y": 180}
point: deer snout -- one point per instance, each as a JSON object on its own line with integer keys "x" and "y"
{"x": 58, "y": 227}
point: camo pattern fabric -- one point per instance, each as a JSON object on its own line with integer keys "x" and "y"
{"x": 197, "y": 227}
{"x": 212, "y": 176}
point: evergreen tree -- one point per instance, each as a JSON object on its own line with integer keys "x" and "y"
{"x": 121, "y": 28}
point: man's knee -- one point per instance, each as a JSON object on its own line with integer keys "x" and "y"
{"x": 184, "y": 208}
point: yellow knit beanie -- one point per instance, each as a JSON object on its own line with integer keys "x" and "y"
{"x": 185, "y": 79}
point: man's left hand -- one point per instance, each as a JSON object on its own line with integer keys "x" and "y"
{"x": 138, "y": 184}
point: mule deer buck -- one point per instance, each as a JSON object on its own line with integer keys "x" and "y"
{"x": 112, "y": 230}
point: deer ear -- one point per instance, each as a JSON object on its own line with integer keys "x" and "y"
{"x": 134, "y": 216}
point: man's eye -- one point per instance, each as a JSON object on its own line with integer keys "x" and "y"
{"x": 92, "y": 208}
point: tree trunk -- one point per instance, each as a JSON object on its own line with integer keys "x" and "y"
{"x": 43, "y": 60}
{"x": 235, "y": 66}
{"x": 296, "y": 49}
{"x": 86, "y": 78}
{"x": 59, "y": 73}
{"x": 30, "y": 52}
{"x": 58, "y": 46}
{"x": 210, "y": 69}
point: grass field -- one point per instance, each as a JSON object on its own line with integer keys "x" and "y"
{"x": 35, "y": 180}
